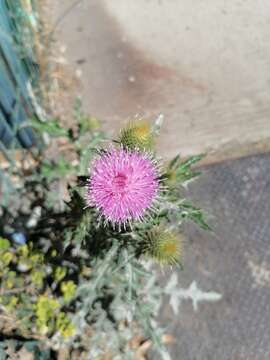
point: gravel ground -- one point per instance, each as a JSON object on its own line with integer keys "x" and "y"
{"x": 234, "y": 261}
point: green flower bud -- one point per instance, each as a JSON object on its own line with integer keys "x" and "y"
{"x": 137, "y": 135}
{"x": 163, "y": 246}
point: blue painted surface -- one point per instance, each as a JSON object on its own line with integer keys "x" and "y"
{"x": 15, "y": 102}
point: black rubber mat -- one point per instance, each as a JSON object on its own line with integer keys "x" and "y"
{"x": 234, "y": 261}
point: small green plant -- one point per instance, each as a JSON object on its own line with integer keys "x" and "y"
{"x": 26, "y": 294}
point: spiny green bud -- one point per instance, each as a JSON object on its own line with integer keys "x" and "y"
{"x": 171, "y": 177}
{"x": 163, "y": 245}
{"x": 137, "y": 134}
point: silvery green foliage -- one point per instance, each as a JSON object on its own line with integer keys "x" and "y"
{"x": 193, "y": 293}
{"x": 135, "y": 301}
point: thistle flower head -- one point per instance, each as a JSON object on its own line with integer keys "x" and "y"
{"x": 137, "y": 135}
{"x": 163, "y": 245}
{"x": 123, "y": 184}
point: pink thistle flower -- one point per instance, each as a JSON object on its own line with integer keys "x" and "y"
{"x": 123, "y": 184}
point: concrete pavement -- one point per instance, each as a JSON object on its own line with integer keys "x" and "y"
{"x": 204, "y": 65}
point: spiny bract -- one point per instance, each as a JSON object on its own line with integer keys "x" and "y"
{"x": 137, "y": 135}
{"x": 163, "y": 245}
